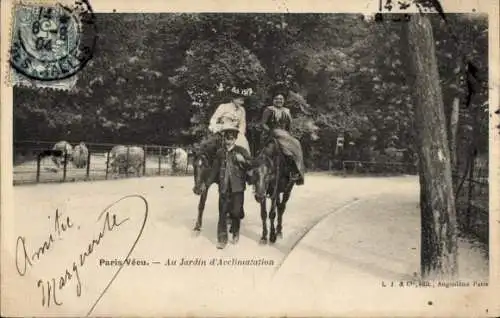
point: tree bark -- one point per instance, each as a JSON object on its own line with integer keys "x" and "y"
{"x": 453, "y": 131}
{"x": 437, "y": 206}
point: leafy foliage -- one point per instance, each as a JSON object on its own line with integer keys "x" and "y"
{"x": 155, "y": 78}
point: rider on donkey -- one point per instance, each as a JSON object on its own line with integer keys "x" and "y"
{"x": 206, "y": 151}
{"x": 276, "y": 121}
{"x": 230, "y": 168}
{"x": 233, "y": 111}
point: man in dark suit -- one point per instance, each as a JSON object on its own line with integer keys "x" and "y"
{"x": 230, "y": 166}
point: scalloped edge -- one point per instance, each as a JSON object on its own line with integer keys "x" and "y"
{"x": 19, "y": 80}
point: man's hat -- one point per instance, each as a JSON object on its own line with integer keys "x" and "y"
{"x": 229, "y": 126}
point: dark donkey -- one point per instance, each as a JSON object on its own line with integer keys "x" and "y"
{"x": 202, "y": 165}
{"x": 271, "y": 177}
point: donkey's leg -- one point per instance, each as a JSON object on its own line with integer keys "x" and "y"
{"x": 263, "y": 216}
{"x": 281, "y": 210}
{"x": 201, "y": 208}
{"x": 272, "y": 217}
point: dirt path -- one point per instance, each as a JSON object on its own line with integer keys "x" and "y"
{"x": 355, "y": 217}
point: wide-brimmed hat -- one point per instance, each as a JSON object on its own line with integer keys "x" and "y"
{"x": 279, "y": 89}
{"x": 236, "y": 92}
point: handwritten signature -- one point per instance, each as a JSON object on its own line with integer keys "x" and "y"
{"x": 49, "y": 288}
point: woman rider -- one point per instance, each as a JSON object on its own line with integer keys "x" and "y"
{"x": 277, "y": 120}
{"x": 232, "y": 112}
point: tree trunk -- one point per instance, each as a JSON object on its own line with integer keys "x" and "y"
{"x": 438, "y": 215}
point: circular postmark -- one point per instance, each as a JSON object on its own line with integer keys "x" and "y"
{"x": 52, "y": 42}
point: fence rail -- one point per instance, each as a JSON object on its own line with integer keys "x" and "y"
{"x": 371, "y": 167}
{"x": 32, "y": 165}
{"x": 472, "y": 201}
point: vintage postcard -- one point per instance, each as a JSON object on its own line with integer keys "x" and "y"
{"x": 259, "y": 158}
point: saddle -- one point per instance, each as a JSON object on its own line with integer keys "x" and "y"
{"x": 286, "y": 157}
{"x": 287, "y": 147}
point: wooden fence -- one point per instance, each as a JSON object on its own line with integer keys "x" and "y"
{"x": 33, "y": 165}
{"x": 472, "y": 201}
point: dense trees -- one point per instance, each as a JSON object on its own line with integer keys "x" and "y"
{"x": 154, "y": 79}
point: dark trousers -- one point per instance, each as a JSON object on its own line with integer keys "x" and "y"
{"x": 232, "y": 204}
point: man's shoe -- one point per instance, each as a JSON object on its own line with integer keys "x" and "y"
{"x": 221, "y": 244}
{"x": 236, "y": 238}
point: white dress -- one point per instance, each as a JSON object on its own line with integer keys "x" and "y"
{"x": 234, "y": 113}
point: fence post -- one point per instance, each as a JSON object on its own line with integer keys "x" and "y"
{"x": 144, "y": 160}
{"x": 107, "y": 164}
{"x": 127, "y": 164}
{"x": 65, "y": 165}
{"x": 38, "y": 160}
{"x": 88, "y": 164}
{"x": 159, "y": 162}
{"x": 174, "y": 163}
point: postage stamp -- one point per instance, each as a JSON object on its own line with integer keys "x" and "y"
{"x": 51, "y": 43}
{"x": 250, "y": 158}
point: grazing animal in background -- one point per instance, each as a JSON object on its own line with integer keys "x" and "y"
{"x": 178, "y": 159}
{"x": 123, "y": 158}
{"x": 112, "y": 156}
{"x": 271, "y": 177}
{"x": 80, "y": 155}
{"x": 62, "y": 151}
